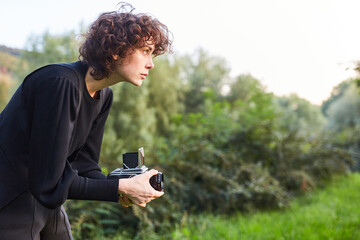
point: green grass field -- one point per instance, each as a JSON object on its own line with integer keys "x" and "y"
{"x": 330, "y": 213}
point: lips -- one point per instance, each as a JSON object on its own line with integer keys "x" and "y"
{"x": 143, "y": 75}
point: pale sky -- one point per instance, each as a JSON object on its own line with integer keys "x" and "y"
{"x": 302, "y": 46}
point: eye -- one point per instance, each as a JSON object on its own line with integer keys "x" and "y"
{"x": 146, "y": 51}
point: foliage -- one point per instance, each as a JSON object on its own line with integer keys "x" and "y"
{"x": 201, "y": 73}
{"x": 337, "y": 92}
{"x": 45, "y": 49}
{"x": 345, "y": 112}
{"x": 255, "y": 120}
{"x": 130, "y": 124}
{"x": 295, "y": 113}
{"x": 244, "y": 87}
{"x": 8, "y": 63}
{"x": 236, "y": 158}
{"x": 331, "y": 213}
{"x": 95, "y": 220}
{"x": 166, "y": 92}
{"x": 5, "y": 85}
{"x": 344, "y": 118}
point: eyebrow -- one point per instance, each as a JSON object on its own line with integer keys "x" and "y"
{"x": 150, "y": 48}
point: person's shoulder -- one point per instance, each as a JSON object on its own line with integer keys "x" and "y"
{"x": 106, "y": 96}
{"x": 60, "y": 72}
{"x": 108, "y": 91}
{"x": 70, "y": 71}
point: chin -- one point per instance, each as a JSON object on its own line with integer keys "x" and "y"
{"x": 135, "y": 82}
{"x": 138, "y": 84}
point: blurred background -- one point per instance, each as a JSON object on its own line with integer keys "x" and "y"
{"x": 251, "y": 119}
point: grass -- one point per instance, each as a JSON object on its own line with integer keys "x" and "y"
{"x": 332, "y": 213}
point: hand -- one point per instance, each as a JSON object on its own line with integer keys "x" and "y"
{"x": 125, "y": 201}
{"x": 138, "y": 189}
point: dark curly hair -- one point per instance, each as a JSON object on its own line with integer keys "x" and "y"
{"x": 120, "y": 33}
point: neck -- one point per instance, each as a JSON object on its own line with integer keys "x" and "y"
{"x": 93, "y": 85}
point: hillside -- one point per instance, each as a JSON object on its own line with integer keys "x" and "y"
{"x": 9, "y": 59}
{"x": 12, "y": 51}
{"x": 9, "y": 64}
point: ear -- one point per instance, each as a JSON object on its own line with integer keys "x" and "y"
{"x": 115, "y": 57}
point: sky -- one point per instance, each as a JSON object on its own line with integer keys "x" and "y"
{"x": 292, "y": 46}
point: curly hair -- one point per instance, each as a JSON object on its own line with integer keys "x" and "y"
{"x": 120, "y": 33}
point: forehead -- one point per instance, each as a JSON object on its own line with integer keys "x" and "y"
{"x": 145, "y": 43}
{"x": 149, "y": 43}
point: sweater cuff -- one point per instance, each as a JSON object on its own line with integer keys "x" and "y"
{"x": 94, "y": 189}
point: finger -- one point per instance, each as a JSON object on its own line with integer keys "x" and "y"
{"x": 126, "y": 200}
{"x": 123, "y": 203}
{"x": 141, "y": 204}
{"x": 152, "y": 172}
{"x": 158, "y": 194}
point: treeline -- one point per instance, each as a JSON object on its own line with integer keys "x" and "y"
{"x": 244, "y": 149}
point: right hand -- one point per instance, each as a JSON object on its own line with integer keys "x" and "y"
{"x": 138, "y": 188}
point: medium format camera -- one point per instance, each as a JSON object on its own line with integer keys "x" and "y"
{"x": 133, "y": 164}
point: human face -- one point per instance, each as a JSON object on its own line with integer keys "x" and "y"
{"x": 136, "y": 66}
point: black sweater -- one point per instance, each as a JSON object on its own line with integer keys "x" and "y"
{"x": 50, "y": 139}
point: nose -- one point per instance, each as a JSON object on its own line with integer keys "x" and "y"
{"x": 150, "y": 63}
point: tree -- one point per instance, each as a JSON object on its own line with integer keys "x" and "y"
{"x": 8, "y": 61}
{"x": 166, "y": 91}
{"x": 337, "y": 92}
{"x": 5, "y": 84}
{"x": 244, "y": 87}
{"x": 202, "y": 74}
{"x": 299, "y": 115}
{"x": 130, "y": 125}
{"x": 46, "y": 49}
{"x": 357, "y": 70}
{"x": 345, "y": 111}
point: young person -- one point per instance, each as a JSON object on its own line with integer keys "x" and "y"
{"x": 52, "y": 128}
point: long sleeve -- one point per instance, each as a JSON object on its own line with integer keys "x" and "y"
{"x": 52, "y": 106}
{"x": 86, "y": 162}
{"x": 56, "y": 128}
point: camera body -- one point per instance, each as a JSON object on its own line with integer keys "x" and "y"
{"x": 133, "y": 164}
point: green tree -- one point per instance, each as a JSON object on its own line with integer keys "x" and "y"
{"x": 295, "y": 114}
{"x": 337, "y": 92}
{"x": 5, "y": 85}
{"x": 130, "y": 125}
{"x": 166, "y": 91}
{"x": 243, "y": 87}
{"x": 344, "y": 112}
{"x": 8, "y": 62}
{"x": 45, "y": 49}
{"x": 202, "y": 73}
{"x": 357, "y": 78}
